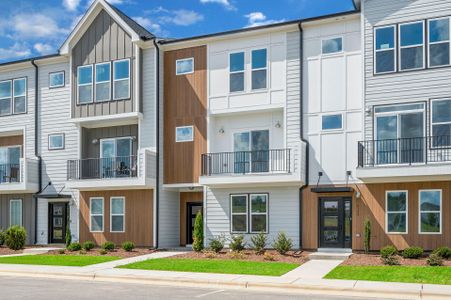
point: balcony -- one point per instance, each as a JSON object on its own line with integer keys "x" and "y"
{"x": 19, "y": 177}
{"x": 405, "y": 159}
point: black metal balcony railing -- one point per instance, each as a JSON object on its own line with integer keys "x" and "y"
{"x": 245, "y": 162}
{"x": 402, "y": 151}
{"x": 100, "y": 168}
{"x": 9, "y": 173}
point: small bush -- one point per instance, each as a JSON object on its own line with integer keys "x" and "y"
{"x": 434, "y": 260}
{"x": 217, "y": 244}
{"x": 2, "y": 237}
{"x": 443, "y": 252}
{"x": 62, "y": 251}
{"x": 237, "y": 255}
{"x": 128, "y": 246}
{"x": 83, "y": 252}
{"x": 388, "y": 251}
{"x": 237, "y": 243}
{"x": 108, "y": 246}
{"x": 74, "y": 247}
{"x": 391, "y": 260}
{"x": 259, "y": 242}
{"x": 210, "y": 254}
{"x": 413, "y": 252}
{"x": 269, "y": 257}
{"x": 103, "y": 251}
{"x": 88, "y": 245}
{"x": 15, "y": 237}
{"x": 198, "y": 233}
{"x": 367, "y": 236}
{"x": 282, "y": 243}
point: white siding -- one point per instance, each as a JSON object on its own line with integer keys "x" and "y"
{"x": 147, "y": 127}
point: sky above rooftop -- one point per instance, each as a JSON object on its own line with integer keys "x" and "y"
{"x": 31, "y": 28}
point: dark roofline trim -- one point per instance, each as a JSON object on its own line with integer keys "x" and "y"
{"x": 320, "y": 190}
{"x": 29, "y": 59}
{"x": 53, "y": 196}
{"x": 293, "y": 22}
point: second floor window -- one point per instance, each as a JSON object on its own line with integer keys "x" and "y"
{"x": 13, "y": 97}
{"x": 411, "y": 46}
{"x": 259, "y": 69}
{"x": 439, "y": 42}
{"x": 236, "y": 70}
{"x": 85, "y": 78}
{"x": 103, "y": 82}
{"x": 330, "y": 46}
{"x": 332, "y": 122}
{"x": 441, "y": 123}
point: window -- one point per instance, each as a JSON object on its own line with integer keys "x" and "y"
{"x": 259, "y": 213}
{"x": 56, "y": 79}
{"x": 15, "y": 212}
{"x": 259, "y": 69}
{"x": 103, "y": 82}
{"x": 20, "y": 96}
{"x": 236, "y": 69}
{"x": 330, "y": 46}
{"x": 251, "y": 151}
{"x": 430, "y": 211}
{"x": 441, "y": 123}
{"x": 13, "y": 96}
{"x": 411, "y": 42}
{"x": 239, "y": 211}
{"x": 116, "y": 157}
{"x": 56, "y": 141}
{"x": 439, "y": 42}
{"x": 184, "y": 66}
{"x": 184, "y": 134}
{"x": 117, "y": 220}
{"x": 5, "y": 97}
{"x": 121, "y": 85}
{"x": 96, "y": 210}
{"x": 332, "y": 122}
{"x": 10, "y": 164}
{"x": 396, "y": 212}
{"x": 85, "y": 78}
{"x": 384, "y": 50}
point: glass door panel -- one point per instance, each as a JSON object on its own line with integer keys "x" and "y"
{"x": 107, "y": 155}
{"x": 123, "y": 159}
{"x": 241, "y": 146}
{"x": 3, "y": 164}
{"x": 386, "y": 146}
{"x": 411, "y": 142}
{"x": 260, "y": 151}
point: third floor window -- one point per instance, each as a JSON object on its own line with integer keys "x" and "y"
{"x": 13, "y": 96}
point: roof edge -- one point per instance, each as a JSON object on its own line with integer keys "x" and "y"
{"x": 29, "y": 59}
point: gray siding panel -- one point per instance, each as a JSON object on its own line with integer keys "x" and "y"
{"x": 28, "y": 215}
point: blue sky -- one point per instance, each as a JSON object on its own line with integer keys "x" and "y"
{"x": 38, "y": 27}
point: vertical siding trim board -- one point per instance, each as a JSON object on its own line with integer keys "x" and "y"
{"x": 157, "y": 121}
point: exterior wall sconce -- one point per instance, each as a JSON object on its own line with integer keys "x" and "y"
{"x": 95, "y": 141}
{"x": 221, "y": 131}
{"x": 278, "y": 125}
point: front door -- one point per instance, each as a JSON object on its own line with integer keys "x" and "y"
{"x": 57, "y": 223}
{"x": 335, "y": 218}
{"x": 192, "y": 210}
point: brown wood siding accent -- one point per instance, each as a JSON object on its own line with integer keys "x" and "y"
{"x": 28, "y": 213}
{"x": 13, "y": 140}
{"x": 188, "y": 197}
{"x": 103, "y": 41}
{"x": 185, "y": 104}
{"x": 90, "y": 150}
{"x": 371, "y": 205}
{"x": 138, "y": 218}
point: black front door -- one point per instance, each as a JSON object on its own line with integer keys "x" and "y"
{"x": 335, "y": 222}
{"x": 192, "y": 210}
{"x": 57, "y": 223}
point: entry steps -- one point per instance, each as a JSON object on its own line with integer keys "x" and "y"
{"x": 331, "y": 254}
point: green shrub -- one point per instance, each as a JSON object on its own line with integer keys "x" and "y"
{"x": 388, "y": 251}
{"x": 16, "y": 237}
{"x": 74, "y": 247}
{"x": 128, "y": 246}
{"x": 62, "y": 251}
{"x": 367, "y": 236}
{"x": 103, "y": 251}
{"x": 237, "y": 244}
{"x": 259, "y": 242}
{"x": 217, "y": 244}
{"x": 68, "y": 236}
{"x": 434, "y": 260}
{"x": 83, "y": 252}
{"x": 391, "y": 260}
{"x": 89, "y": 245}
{"x": 282, "y": 244}
{"x": 198, "y": 233}
{"x": 108, "y": 246}
{"x": 413, "y": 252}
{"x": 2, "y": 237}
{"x": 443, "y": 252}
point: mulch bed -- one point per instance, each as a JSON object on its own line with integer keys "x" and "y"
{"x": 7, "y": 251}
{"x": 375, "y": 260}
{"x": 116, "y": 252}
{"x": 249, "y": 255}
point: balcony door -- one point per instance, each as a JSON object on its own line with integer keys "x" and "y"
{"x": 399, "y": 134}
{"x": 116, "y": 157}
{"x": 10, "y": 163}
{"x": 251, "y": 151}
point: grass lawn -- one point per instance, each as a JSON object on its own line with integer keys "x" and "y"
{"x": 412, "y": 274}
{"x": 214, "y": 266}
{"x": 57, "y": 260}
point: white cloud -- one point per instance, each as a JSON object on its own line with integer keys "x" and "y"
{"x": 112, "y": 2}
{"x": 15, "y": 51}
{"x": 225, "y": 3}
{"x": 36, "y": 26}
{"x": 150, "y": 25}
{"x": 71, "y": 5}
{"x": 43, "y": 48}
{"x": 259, "y": 19}
{"x": 182, "y": 17}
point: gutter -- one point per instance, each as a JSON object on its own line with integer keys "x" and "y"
{"x": 157, "y": 179}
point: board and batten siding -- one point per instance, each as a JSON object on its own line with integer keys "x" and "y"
{"x": 28, "y": 213}
{"x": 103, "y": 41}
{"x": 402, "y": 87}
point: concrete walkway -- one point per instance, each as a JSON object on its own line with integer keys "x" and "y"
{"x": 313, "y": 269}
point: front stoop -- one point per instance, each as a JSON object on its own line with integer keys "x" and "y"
{"x": 330, "y": 254}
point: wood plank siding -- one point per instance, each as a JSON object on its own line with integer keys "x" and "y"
{"x": 103, "y": 41}
{"x": 185, "y": 104}
{"x": 371, "y": 205}
{"x": 189, "y": 197}
{"x": 138, "y": 217}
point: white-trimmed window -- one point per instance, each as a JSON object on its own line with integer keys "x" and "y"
{"x": 56, "y": 141}
{"x": 56, "y": 79}
{"x": 121, "y": 79}
{"x": 117, "y": 217}
{"x": 184, "y": 134}
{"x": 439, "y": 42}
{"x": 85, "y": 81}
{"x": 239, "y": 213}
{"x": 20, "y": 96}
{"x": 430, "y": 212}
{"x": 396, "y": 208}
{"x": 5, "y": 97}
{"x": 333, "y": 45}
{"x": 236, "y": 70}
{"x": 259, "y": 213}
{"x": 103, "y": 82}
{"x": 184, "y": 66}
{"x": 411, "y": 46}
{"x": 96, "y": 209}
{"x": 441, "y": 123}
{"x": 384, "y": 49}
{"x": 332, "y": 122}
{"x": 259, "y": 69}
{"x": 15, "y": 212}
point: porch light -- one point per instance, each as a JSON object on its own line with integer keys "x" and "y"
{"x": 278, "y": 125}
{"x": 221, "y": 131}
{"x": 95, "y": 141}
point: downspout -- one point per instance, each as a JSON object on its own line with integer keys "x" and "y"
{"x": 36, "y": 146}
{"x": 157, "y": 181}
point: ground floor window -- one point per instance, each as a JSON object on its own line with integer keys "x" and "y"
{"x": 96, "y": 209}
{"x": 15, "y": 212}
{"x": 117, "y": 209}
{"x": 396, "y": 211}
{"x": 430, "y": 216}
{"x": 249, "y": 213}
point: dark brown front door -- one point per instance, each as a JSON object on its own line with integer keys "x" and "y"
{"x": 57, "y": 223}
{"x": 192, "y": 210}
{"x": 335, "y": 222}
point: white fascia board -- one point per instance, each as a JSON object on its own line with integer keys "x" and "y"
{"x": 251, "y": 180}
{"x": 111, "y": 184}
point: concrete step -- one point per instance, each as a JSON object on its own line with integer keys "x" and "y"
{"x": 329, "y": 255}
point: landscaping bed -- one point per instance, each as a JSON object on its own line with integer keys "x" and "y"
{"x": 118, "y": 252}
{"x": 375, "y": 260}
{"x": 7, "y": 251}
